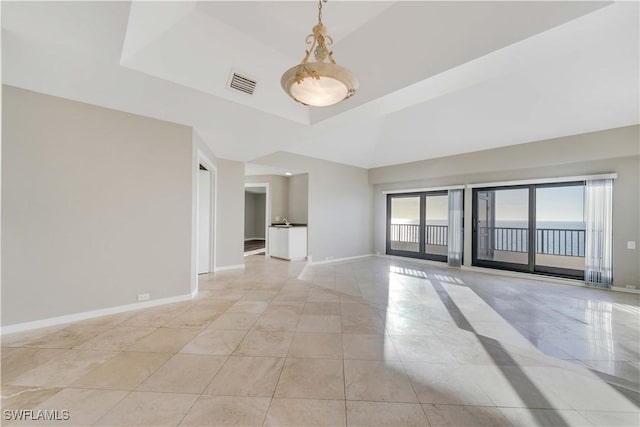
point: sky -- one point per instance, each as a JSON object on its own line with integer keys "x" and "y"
{"x": 552, "y": 204}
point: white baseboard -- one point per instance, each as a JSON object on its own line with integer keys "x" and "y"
{"x": 330, "y": 261}
{"x": 229, "y": 267}
{"x": 254, "y": 238}
{"x": 625, "y": 290}
{"x": 53, "y": 321}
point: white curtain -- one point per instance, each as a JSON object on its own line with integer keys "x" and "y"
{"x": 454, "y": 256}
{"x": 598, "y": 251}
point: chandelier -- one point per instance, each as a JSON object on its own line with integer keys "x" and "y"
{"x": 320, "y": 83}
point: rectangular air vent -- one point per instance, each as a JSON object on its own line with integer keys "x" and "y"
{"x": 242, "y": 83}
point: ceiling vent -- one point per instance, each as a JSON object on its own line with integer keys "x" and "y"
{"x": 242, "y": 83}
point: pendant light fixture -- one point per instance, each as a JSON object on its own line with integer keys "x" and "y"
{"x": 320, "y": 83}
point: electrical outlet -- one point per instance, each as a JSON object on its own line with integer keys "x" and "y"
{"x": 144, "y": 297}
{"x": 631, "y": 244}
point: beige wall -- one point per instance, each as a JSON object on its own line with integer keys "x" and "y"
{"x": 96, "y": 207}
{"x": 339, "y": 212}
{"x": 614, "y": 150}
{"x": 298, "y": 198}
{"x": 230, "y": 219}
{"x": 278, "y": 193}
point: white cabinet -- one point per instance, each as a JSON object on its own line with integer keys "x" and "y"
{"x": 288, "y": 243}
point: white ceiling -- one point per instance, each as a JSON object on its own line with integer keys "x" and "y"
{"x": 437, "y": 78}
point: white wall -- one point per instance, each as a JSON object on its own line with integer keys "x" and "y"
{"x": 96, "y": 207}
{"x": 230, "y": 219}
{"x": 278, "y": 193}
{"x": 614, "y": 150}
{"x": 298, "y": 198}
{"x": 339, "y": 214}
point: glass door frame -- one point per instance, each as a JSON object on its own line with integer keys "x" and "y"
{"x": 531, "y": 266}
{"x": 421, "y": 254}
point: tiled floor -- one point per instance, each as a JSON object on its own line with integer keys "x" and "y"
{"x": 368, "y": 342}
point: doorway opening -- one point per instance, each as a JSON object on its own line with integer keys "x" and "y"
{"x": 256, "y": 215}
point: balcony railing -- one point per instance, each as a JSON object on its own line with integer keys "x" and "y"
{"x": 551, "y": 241}
{"x": 436, "y": 235}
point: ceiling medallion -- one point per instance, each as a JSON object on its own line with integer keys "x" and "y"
{"x": 320, "y": 83}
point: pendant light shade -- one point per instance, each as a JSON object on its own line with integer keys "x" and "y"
{"x": 320, "y": 83}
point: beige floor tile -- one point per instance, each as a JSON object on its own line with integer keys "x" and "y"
{"x": 318, "y": 295}
{"x": 259, "y": 296}
{"x": 116, "y": 339}
{"x": 294, "y": 307}
{"x": 22, "y": 339}
{"x": 421, "y": 349}
{"x": 61, "y": 371}
{"x": 403, "y": 325}
{"x": 265, "y": 343}
{"x": 66, "y": 338}
{"x": 450, "y": 416}
{"x": 184, "y": 373}
{"x": 377, "y": 381}
{"x": 156, "y": 316}
{"x": 305, "y": 412}
{"x": 164, "y": 340}
{"x": 234, "y": 321}
{"x": 149, "y": 409}
{"x": 25, "y": 397}
{"x": 319, "y": 323}
{"x": 525, "y": 417}
{"x": 124, "y": 372}
{"x": 391, "y": 414}
{"x": 362, "y": 324}
{"x": 311, "y": 378}
{"x": 292, "y": 296}
{"x": 322, "y": 308}
{"x": 254, "y": 307}
{"x": 215, "y": 342}
{"x": 282, "y": 321}
{"x": 368, "y": 347}
{"x": 227, "y": 411}
{"x": 211, "y": 305}
{"x": 18, "y": 361}
{"x": 445, "y": 383}
{"x": 193, "y": 318}
{"x": 247, "y": 376}
{"x": 608, "y": 418}
{"x": 326, "y": 346}
{"x": 84, "y": 406}
{"x": 227, "y": 294}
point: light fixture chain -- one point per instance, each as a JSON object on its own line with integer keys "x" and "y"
{"x": 320, "y": 11}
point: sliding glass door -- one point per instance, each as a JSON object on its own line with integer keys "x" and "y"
{"x": 417, "y": 225}
{"x": 533, "y": 228}
{"x": 560, "y": 230}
